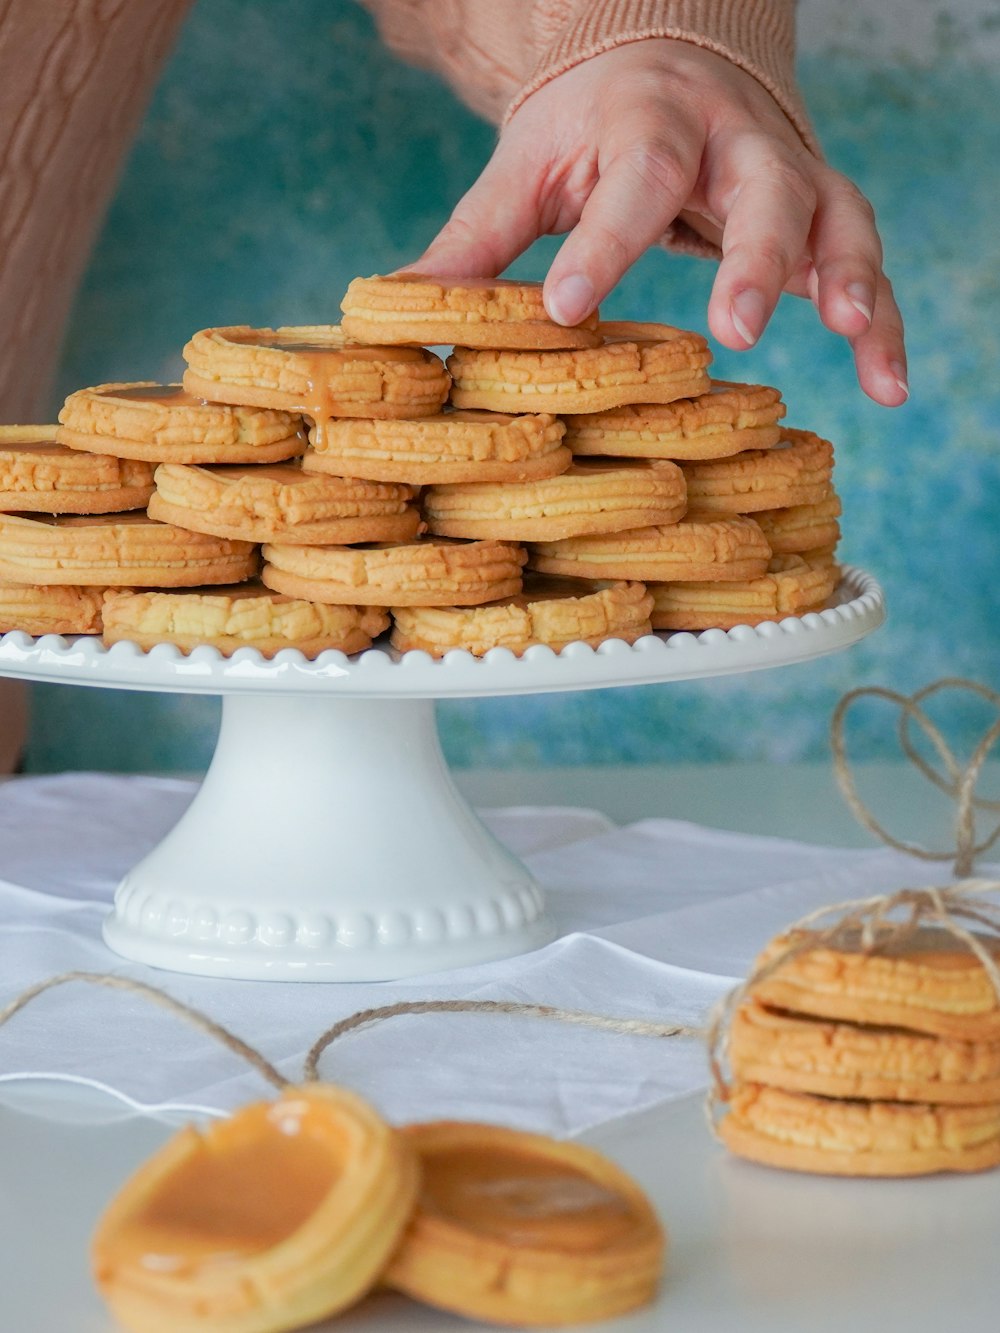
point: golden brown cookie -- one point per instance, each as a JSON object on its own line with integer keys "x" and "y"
{"x": 316, "y": 370}
{"x": 853, "y": 1060}
{"x": 245, "y": 615}
{"x": 280, "y": 502}
{"x": 591, "y": 496}
{"x": 37, "y": 475}
{"x": 522, "y": 1229}
{"x": 123, "y": 550}
{"x": 802, "y": 528}
{"x": 275, "y": 1217}
{"x": 450, "y": 447}
{"x": 726, "y": 420}
{"x": 858, "y": 1138}
{"x": 165, "y": 423}
{"x": 790, "y": 588}
{"x": 796, "y": 472}
{"x": 475, "y": 312}
{"x": 433, "y": 572}
{"x": 704, "y": 547}
{"x": 657, "y": 364}
{"x": 550, "y": 611}
{"x": 52, "y": 610}
{"x": 927, "y": 982}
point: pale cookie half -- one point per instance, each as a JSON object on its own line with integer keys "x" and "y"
{"x": 474, "y": 312}
{"x": 927, "y": 982}
{"x": 659, "y": 364}
{"x": 858, "y": 1138}
{"x": 163, "y": 422}
{"x": 591, "y": 496}
{"x": 796, "y": 472}
{"x": 790, "y": 588}
{"x": 280, "y": 502}
{"x": 524, "y": 1229}
{"x": 704, "y": 547}
{"x": 121, "y": 550}
{"x": 828, "y": 1059}
{"x": 37, "y": 475}
{"x": 51, "y": 610}
{"x": 432, "y": 572}
{"x": 727, "y": 420}
{"x": 247, "y": 615}
{"x": 550, "y": 611}
{"x": 802, "y": 528}
{"x": 450, "y": 447}
{"x": 316, "y": 370}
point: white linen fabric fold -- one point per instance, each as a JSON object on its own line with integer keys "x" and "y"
{"x": 656, "y": 920}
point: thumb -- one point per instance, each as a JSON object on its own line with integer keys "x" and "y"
{"x": 492, "y": 224}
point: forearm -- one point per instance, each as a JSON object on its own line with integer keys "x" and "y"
{"x": 74, "y": 80}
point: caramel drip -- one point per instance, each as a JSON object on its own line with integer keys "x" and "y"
{"x": 523, "y": 1199}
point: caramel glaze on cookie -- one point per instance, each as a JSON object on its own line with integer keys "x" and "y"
{"x": 38, "y": 475}
{"x": 653, "y": 363}
{"x": 411, "y": 308}
{"x": 164, "y": 423}
{"x": 316, "y": 370}
{"x": 727, "y": 420}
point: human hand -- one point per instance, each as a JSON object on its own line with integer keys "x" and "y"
{"x": 617, "y": 148}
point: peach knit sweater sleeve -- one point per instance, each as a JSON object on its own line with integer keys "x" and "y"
{"x": 496, "y": 53}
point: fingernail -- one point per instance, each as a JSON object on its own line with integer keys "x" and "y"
{"x": 747, "y": 312}
{"x": 860, "y": 298}
{"x": 899, "y": 374}
{"x": 572, "y": 299}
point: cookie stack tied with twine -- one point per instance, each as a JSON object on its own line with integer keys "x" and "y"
{"x": 758, "y": 539}
{"x": 869, "y": 1044}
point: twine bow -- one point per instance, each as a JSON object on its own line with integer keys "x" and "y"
{"x": 885, "y": 921}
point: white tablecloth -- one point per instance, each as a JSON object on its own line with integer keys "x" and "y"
{"x": 656, "y": 920}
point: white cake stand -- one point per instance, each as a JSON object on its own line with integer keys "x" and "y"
{"x": 328, "y": 841}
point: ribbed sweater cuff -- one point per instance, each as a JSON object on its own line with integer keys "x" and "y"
{"x": 756, "y": 35}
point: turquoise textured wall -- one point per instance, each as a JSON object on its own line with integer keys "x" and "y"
{"x": 285, "y": 152}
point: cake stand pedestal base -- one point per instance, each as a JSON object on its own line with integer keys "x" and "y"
{"x": 326, "y": 843}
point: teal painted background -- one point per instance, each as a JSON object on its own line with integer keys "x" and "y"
{"x": 285, "y": 152}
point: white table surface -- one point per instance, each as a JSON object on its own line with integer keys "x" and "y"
{"x": 751, "y": 1249}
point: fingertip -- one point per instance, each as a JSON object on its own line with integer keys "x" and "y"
{"x": 569, "y": 300}
{"x": 886, "y": 385}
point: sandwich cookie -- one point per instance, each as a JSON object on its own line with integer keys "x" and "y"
{"x": 37, "y": 475}
{"x": 124, "y": 550}
{"x": 432, "y": 572}
{"x": 791, "y": 587}
{"x": 802, "y": 528}
{"x": 636, "y": 363}
{"x": 926, "y": 982}
{"x": 852, "y": 1060}
{"x": 521, "y": 1229}
{"x": 706, "y": 547}
{"x": 450, "y": 447}
{"x": 550, "y": 611}
{"x": 163, "y": 422}
{"x": 796, "y": 472}
{"x": 280, "y": 502}
{"x": 316, "y": 370}
{"x": 858, "y": 1138}
{"x": 590, "y": 496}
{"x": 247, "y": 615}
{"x": 53, "y": 610}
{"x": 727, "y": 420}
{"x": 474, "y": 312}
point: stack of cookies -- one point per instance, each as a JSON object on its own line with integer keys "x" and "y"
{"x": 847, "y": 1061}
{"x": 314, "y": 485}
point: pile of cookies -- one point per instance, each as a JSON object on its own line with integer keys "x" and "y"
{"x": 853, "y": 1062}
{"x": 307, "y": 487}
